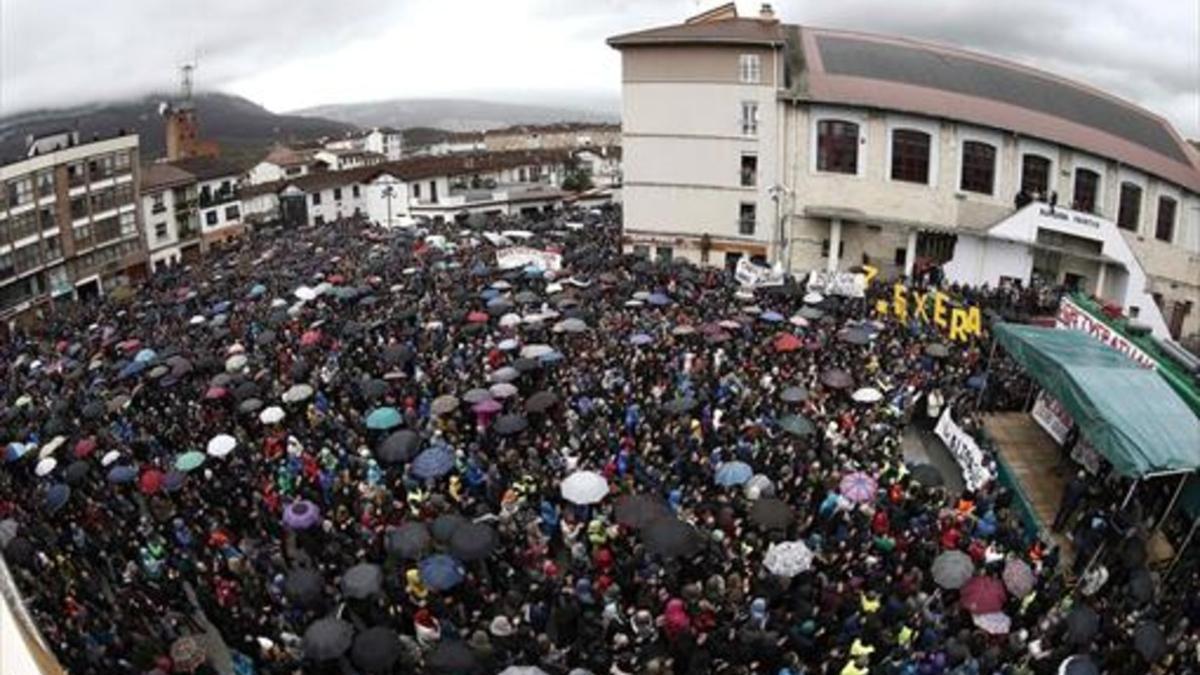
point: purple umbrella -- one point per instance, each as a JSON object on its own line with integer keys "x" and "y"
{"x": 858, "y": 487}
{"x": 301, "y": 515}
{"x": 487, "y": 407}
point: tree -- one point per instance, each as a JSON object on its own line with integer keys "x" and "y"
{"x": 576, "y": 178}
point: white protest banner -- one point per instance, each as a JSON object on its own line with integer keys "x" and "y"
{"x": 845, "y": 284}
{"x": 756, "y": 276}
{"x": 1071, "y": 315}
{"x": 1051, "y": 416}
{"x": 965, "y": 450}
{"x": 522, "y": 256}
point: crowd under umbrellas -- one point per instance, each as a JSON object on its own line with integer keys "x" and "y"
{"x": 365, "y": 451}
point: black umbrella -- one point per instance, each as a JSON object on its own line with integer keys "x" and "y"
{"x": 453, "y": 657}
{"x": 250, "y": 405}
{"x": 1133, "y": 552}
{"x": 245, "y": 390}
{"x": 93, "y": 410}
{"x": 373, "y": 389}
{"x": 1149, "y": 641}
{"x": 443, "y": 526}
{"x": 476, "y": 395}
{"x": 265, "y": 338}
{"x": 1078, "y": 665}
{"x": 327, "y": 639}
{"x": 1082, "y": 625}
{"x": 526, "y": 365}
{"x": 1140, "y": 586}
{"x": 303, "y": 587}
{"x": 670, "y": 537}
{"x": 928, "y": 475}
{"x": 76, "y": 472}
{"x": 20, "y": 551}
{"x": 541, "y": 402}
{"x": 510, "y": 425}
{"x": 637, "y": 511}
{"x": 399, "y": 447}
{"x": 397, "y": 354}
{"x": 376, "y": 649}
{"x": 854, "y": 336}
{"x": 835, "y": 378}
{"x": 300, "y": 369}
{"x": 771, "y": 514}
{"x": 473, "y": 541}
{"x": 362, "y": 581}
{"x": 409, "y": 541}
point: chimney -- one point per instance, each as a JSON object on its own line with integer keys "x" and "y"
{"x": 766, "y": 13}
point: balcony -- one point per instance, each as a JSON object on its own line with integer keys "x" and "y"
{"x": 217, "y": 198}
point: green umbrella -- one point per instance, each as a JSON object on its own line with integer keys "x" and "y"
{"x": 189, "y": 461}
{"x": 796, "y": 425}
{"x": 384, "y": 418}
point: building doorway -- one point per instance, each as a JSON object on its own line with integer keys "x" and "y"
{"x": 88, "y": 290}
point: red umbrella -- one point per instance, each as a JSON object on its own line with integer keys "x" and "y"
{"x": 151, "y": 481}
{"x": 130, "y": 345}
{"x": 215, "y": 393}
{"x": 983, "y": 595}
{"x": 336, "y": 279}
{"x": 310, "y": 338}
{"x": 477, "y": 317}
{"x": 85, "y": 447}
{"x": 786, "y": 342}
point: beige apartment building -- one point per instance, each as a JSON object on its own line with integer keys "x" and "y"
{"x": 815, "y": 149}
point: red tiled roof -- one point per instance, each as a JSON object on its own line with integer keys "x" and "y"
{"x": 160, "y": 176}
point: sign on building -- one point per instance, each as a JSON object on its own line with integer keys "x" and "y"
{"x": 1071, "y": 315}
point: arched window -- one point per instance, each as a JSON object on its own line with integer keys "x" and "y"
{"x": 837, "y": 146}
{"x": 1035, "y": 175}
{"x": 910, "y": 155}
{"x": 978, "y": 167}
{"x": 1087, "y": 188}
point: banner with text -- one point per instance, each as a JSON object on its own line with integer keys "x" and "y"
{"x": 1071, "y": 315}
{"x": 845, "y": 284}
{"x": 1051, "y": 416}
{"x": 757, "y": 276}
{"x": 966, "y": 451}
{"x": 516, "y": 257}
{"x": 959, "y": 321}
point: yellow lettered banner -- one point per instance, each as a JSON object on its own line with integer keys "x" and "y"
{"x": 936, "y": 307}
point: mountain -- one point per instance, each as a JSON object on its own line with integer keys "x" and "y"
{"x": 456, "y": 114}
{"x": 240, "y": 126}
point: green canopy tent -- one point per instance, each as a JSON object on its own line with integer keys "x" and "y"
{"x": 1128, "y": 413}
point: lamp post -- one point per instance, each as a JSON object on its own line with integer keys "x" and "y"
{"x": 388, "y": 193}
{"x": 779, "y": 194}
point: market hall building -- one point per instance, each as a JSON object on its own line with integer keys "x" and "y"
{"x": 822, "y": 149}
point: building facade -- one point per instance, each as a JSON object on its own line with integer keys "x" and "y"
{"x": 170, "y": 214}
{"x": 218, "y": 204}
{"x": 69, "y": 225}
{"x": 991, "y": 171}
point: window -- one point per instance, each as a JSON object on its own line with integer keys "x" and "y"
{"x": 731, "y": 260}
{"x": 160, "y": 231}
{"x": 354, "y": 191}
{"x": 27, "y": 257}
{"x": 76, "y": 174}
{"x": 899, "y": 257}
{"x": 837, "y": 146}
{"x": 158, "y": 206}
{"x": 23, "y": 225}
{"x": 749, "y": 118}
{"x": 79, "y": 207}
{"x": 81, "y": 235}
{"x": 316, "y": 199}
{"x": 521, "y": 175}
{"x": 319, "y": 220}
{"x": 46, "y": 218}
{"x": 128, "y": 224}
{"x": 641, "y": 251}
{"x": 1087, "y": 187}
{"x": 20, "y": 191}
{"x": 123, "y": 194}
{"x": 210, "y": 218}
{"x": 433, "y": 191}
{"x": 978, "y": 167}
{"x": 1164, "y": 223}
{"x": 750, "y": 68}
{"x": 45, "y": 182}
{"x": 121, "y": 162}
{"x": 663, "y": 253}
{"x": 1130, "y": 210}
{"x": 53, "y": 247}
{"x": 416, "y": 189}
{"x": 825, "y": 248}
{"x": 1035, "y": 175}
{"x": 749, "y": 170}
{"x": 747, "y": 214}
{"x": 232, "y": 212}
{"x": 100, "y": 167}
{"x": 337, "y": 194}
{"x": 910, "y": 156}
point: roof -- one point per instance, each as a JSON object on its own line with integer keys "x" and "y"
{"x": 556, "y": 127}
{"x": 1128, "y": 413}
{"x": 900, "y": 74}
{"x": 283, "y": 155}
{"x": 207, "y": 168}
{"x": 160, "y": 176}
{"x": 729, "y": 31}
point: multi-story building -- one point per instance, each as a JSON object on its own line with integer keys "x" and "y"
{"x": 170, "y": 212}
{"x": 69, "y": 224}
{"x": 281, "y": 162}
{"x": 219, "y": 208}
{"x": 343, "y": 159}
{"x": 820, "y": 149}
{"x": 385, "y": 141}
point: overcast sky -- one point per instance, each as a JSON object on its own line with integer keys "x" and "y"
{"x": 288, "y": 54}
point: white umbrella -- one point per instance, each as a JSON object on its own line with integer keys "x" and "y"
{"x": 788, "y": 559}
{"x": 197, "y": 320}
{"x": 798, "y": 321}
{"x": 510, "y": 320}
{"x": 634, "y": 303}
{"x": 235, "y": 348}
{"x": 993, "y": 623}
{"x": 584, "y": 487}
{"x": 109, "y": 457}
{"x": 272, "y": 415}
{"x": 867, "y": 395}
{"x": 278, "y": 302}
{"x": 813, "y": 298}
{"x": 535, "y": 351}
{"x": 744, "y": 295}
{"x": 53, "y": 446}
{"x": 758, "y": 486}
{"x": 501, "y": 285}
{"x": 45, "y": 466}
{"x": 221, "y": 445}
{"x": 305, "y": 293}
{"x": 298, "y": 392}
{"x": 508, "y": 345}
{"x": 551, "y": 289}
{"x": 502, "y": 390}
{"x": 235, "y": 363}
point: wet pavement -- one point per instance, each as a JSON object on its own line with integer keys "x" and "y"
{"x": 922, "y": 447}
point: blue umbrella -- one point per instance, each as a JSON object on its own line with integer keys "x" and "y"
{"x": 489, "y": 293}
{"x": 733, "y": 473}
{"x": 658, "y": 299}
{"x": 533, "y": 271}
{"x": 441, "y": 572}
{"x": 221, "y": 307}
{"x": 433, "y": 462}
{"x": 977, "y": 382}
{"x": 146, "y": 356}
{"x": 132, "y": 368}
{"x": 551, "y": 357}
{"x": 497, "y": 301}
{"x": 122, "y": 474}
{"x": 173, "y": 480}
{"x": 639, "y": 339}
{"x": 258, "y": 290}
{"x": 384, "y": 418}
{"x": 15, "y": 451}
{"x": 771, "y": 317}
{"x": 57, "y": 496}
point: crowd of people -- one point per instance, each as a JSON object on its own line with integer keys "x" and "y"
{"x": 349, "y": 450}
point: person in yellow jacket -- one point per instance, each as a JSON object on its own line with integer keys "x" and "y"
{"x": 870, "y": 603}
{"x": 414, "y": 586}
{"x": 856, "y": 666}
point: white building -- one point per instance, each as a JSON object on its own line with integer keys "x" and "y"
{"x": 218, "y": 203}
{"x": 280, "y": 163}
{"x": 345, "y": 159}
{"x": 385, "y": 141}
{"x": 169, "y": 214}
{"x": 871, "y": 149}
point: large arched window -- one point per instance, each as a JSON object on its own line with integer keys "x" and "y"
{"x": 1087, "y": 189}
{"x": 1035, "y": 175}
{"x": 978, "y": 167}
{"x": 837, "y": 146}
{"x": 910, "y": 155}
